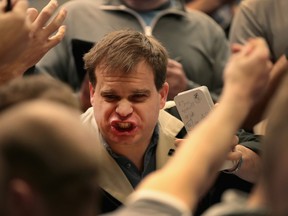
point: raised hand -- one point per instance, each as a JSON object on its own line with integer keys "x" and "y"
{"x": 248, "y": 70}
{"x": 42, "y": 37}
{"x": 34, "y": 37}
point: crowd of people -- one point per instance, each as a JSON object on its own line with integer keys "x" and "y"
{"x": 87, "y": 120}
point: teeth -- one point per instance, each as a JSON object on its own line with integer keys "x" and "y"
{"x": 124, "y": 125}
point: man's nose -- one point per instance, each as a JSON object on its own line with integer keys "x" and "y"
{"x": 124, "y": 108}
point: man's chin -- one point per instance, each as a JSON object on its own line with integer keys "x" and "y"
{"x": 121, "y": 139}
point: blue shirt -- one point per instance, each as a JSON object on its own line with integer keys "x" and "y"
{"x": 149, "y": 164}
{"x": 148, "y": 16}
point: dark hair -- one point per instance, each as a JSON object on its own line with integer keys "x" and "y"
{"x": 121, "y": 51}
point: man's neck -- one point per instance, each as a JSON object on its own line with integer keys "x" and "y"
{"x": 133, "y": 153}
{"x": 147, "y": 5}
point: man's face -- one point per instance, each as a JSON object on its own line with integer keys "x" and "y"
{"x": 126, "y": 107}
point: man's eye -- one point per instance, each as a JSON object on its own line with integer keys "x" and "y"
{"x": 139, "y": 97}
{"x": 110, "y": 97}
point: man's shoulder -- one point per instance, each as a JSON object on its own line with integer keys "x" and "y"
{"x": 168, "y": 123}
{"x": 87, "y": 116}
{"x": 203, "y": 23}
{"x": 88, "y": 120}
{"x": 201, "y": 17}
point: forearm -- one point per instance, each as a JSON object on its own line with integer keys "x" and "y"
{"x": 195, "y": 162}
{"x": 196, "y": 150}
{"x": 11, "y": 71}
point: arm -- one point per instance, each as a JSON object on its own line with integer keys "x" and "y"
{"x": 38, "y": 42}
{"x": 249, "y": 166}
{"x": 59, "y": 61}
{"x": 246, "y": 24}
{"x": 207, "y": 6}
{"x": 194, "y": 166}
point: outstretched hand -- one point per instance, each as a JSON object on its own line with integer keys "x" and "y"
{"x": 37, "y": 38}
{"x": 42, "y": 37}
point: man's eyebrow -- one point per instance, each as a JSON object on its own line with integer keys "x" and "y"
{"x": 141, "y": 91}
{"x": 108, "y": 91}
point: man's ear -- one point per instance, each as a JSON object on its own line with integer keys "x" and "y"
{"x": 163, "y": 94}
{"x": 92, "y": 90}
{"x": 20, "y": 198}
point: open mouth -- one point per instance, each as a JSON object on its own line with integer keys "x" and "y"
{"x": 123, "y": 126}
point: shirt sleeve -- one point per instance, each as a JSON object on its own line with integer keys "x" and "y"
{"x": 246, "y": 24}
{"x": 152, "y": 203}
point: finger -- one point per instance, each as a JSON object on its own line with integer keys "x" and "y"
{"x": 32, "y": 14}
{"x": 235, "y": 140}
{"x": 20, "y": 7}
{"x": 55, "y": 39}
{"x": 45, "y": 15}
{"x": 171, "y": 70}
{"x": 247, "y": 49}
{"x": 173, "y": 63}
{"x": 270, "y": 67}
{"x": 236, "y": 47}
{"x": 55, "y": 23}
{"x": 279, "y": 68}
{"x": 169, "y": 73}
{"x": 234, "y": 156}
{"x": 260, "y": 48}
